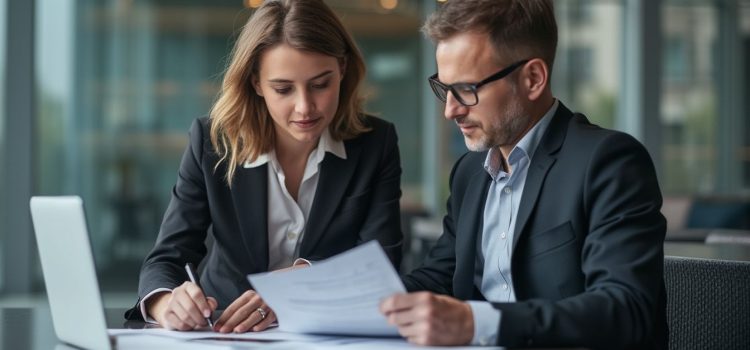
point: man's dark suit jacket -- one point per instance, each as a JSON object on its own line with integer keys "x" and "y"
{"x": 357, "y": 200}
{"x": 587, "y": 261}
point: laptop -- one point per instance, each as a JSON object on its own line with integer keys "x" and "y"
{"x": 69, "y": 273}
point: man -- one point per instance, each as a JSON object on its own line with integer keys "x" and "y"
{"x": 553, "y": 221}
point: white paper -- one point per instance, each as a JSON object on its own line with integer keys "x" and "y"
{"x": 340, "y": 295}
{"x": 272, "y": 334}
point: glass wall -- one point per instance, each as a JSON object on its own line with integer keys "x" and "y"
{"x": 121, "y": 81}
{"x": 704, "y": 94}
{"x": 119, "y": 84}
{"x": 586, "y": 74}
{"x": 689, "y": 113}
{"x": 744, "y": 153}
{"x": 3, "y": 25}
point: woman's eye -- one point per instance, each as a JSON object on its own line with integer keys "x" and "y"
{"x": 320, "y": 86}
{"x": 282, "y": 91}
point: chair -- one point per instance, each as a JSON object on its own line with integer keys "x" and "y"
{"x": 708, "y": 303}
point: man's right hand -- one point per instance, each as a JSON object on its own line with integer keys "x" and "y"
{"x": 185, "y": 308}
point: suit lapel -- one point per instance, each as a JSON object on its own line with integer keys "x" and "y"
{"x": 335, "y": 175}
{"x": 468, "y": 230}
{"x": 542, "y": 161}
{"x": 250, "y": 196}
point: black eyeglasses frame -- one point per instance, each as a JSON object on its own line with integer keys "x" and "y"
{"x": 441, "y": 90}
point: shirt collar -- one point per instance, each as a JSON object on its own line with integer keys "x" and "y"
{"x": 326, "y": 143}
{"x": 525, "y": 147}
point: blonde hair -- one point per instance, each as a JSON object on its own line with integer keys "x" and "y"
{"x": 241, "y": 126}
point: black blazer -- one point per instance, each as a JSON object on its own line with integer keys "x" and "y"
{"x": 587, "y": 261}
{"x": 356, "y": 200}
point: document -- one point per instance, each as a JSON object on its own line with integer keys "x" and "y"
{"x": 340, "y": 295}
{"x": 271, "y": 334}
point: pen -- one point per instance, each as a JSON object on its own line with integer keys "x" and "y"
{"x": 193, "y": 278}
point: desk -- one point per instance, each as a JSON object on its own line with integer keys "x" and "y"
{"x": 31, "y": 328}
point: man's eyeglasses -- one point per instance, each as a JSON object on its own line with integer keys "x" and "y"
{"x": 466, "y": 93}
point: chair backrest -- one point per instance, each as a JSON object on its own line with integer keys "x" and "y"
{"x": 708, "y": 303}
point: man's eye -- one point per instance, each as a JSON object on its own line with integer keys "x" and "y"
{"x": 462, "y": 88}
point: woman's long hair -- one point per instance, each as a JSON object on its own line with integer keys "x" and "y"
{"x": 241, "y": 126}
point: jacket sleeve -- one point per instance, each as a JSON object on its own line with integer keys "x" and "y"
{"x": 183, "y": 230}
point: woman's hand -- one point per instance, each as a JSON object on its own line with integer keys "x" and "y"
{"x": 246, "y": 313}
{"x": 185, "y": 308}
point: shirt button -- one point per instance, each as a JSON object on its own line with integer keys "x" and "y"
{"x": 503, "y": 235}
{"x": 505, "y": 286}
{"x": 291, "y": 236}
{"x": 507, "y": 190}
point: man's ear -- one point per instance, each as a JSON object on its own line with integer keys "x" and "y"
{"x": 535, "y": 78}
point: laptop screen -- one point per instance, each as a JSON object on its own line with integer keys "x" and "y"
{"x": 69, "y": 273}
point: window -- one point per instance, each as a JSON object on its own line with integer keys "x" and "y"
{"x": 3, "y": 25}
{"x": 586, "y": 75}
{"x": 119, "y": 83}
{"x": 745, "y": 39}
{"x": 689, "y": 113}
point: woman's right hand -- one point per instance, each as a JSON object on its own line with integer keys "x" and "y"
{"x": 185, "y": 308}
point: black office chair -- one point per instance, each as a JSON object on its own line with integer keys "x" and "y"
{"x": 708, "y": 303}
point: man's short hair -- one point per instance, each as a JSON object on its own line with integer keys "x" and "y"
{"x": 518, "y": 29}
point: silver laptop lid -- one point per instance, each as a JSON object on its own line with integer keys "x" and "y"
{"x": 69, "y": 273}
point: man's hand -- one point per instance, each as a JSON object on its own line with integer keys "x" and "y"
{"x": 243, "y": 315}
{"x": 184, "y": 309}
{"x": 429, "y": 319}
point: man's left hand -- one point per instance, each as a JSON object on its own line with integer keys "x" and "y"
{"x": 429, "y": 319}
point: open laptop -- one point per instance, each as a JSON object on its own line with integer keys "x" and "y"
{"x": 69, "y": 273}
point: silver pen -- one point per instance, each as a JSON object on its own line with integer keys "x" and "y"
{"x": 194, "y": 278}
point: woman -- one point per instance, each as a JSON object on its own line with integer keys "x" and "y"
{"x": 285, "y": 167}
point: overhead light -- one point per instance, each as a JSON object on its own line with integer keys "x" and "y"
{"x": 253, "y": 3}
{"x": 388, "y": 4}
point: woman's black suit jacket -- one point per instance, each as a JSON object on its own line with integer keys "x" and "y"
{"x": 357, "y": 200}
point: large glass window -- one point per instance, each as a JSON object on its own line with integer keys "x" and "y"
{"x": 119, "y": 83}
{"x": 3, "y": 24}
{"x": 745, "y": 39}
{"x": 689, "y": 113}
{"x": 586, "y": 74}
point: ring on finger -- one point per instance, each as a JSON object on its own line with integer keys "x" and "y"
{"x": 262, "y": 313}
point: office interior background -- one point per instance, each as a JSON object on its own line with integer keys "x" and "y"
{"x": 98, "y": 95}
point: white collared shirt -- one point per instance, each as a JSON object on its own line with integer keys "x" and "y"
{"x": 287, "y": 218}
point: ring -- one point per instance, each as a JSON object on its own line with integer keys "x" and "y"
{"x": 262, "y": 313}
